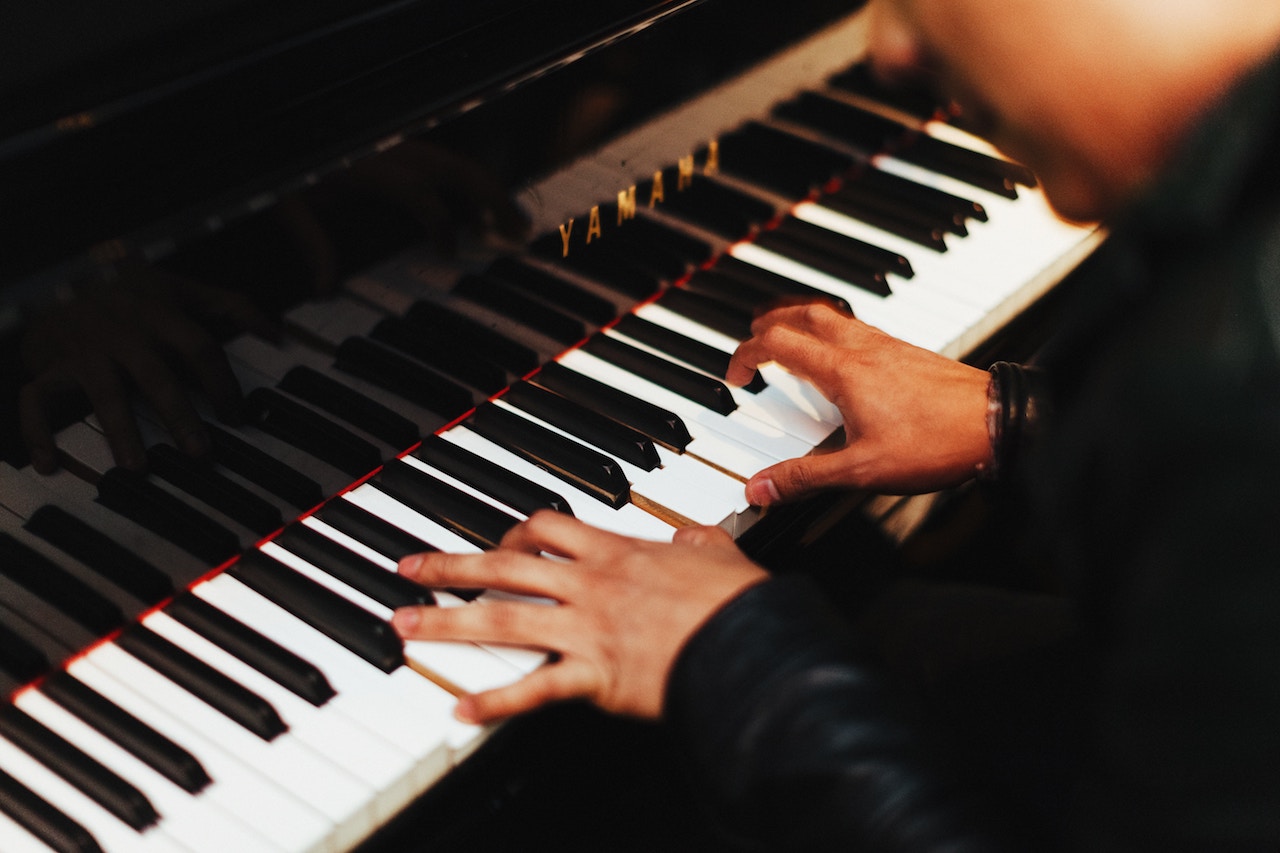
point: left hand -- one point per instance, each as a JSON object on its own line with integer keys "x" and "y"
{"x": 625, "y": 609}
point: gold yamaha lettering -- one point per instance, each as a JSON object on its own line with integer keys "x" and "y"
{"x": 686, "y": 169}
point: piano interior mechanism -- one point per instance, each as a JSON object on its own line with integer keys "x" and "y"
{"x": 196, "y": 657}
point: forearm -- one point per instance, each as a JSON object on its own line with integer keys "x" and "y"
{"x": 798, "y": 745}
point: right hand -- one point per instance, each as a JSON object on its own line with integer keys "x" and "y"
{"x": 914, "y": 421}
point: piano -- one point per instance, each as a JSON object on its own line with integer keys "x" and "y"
{"x": 196, "y": 657}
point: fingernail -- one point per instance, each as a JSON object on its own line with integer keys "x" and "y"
{"x": 761, "y": 491}
{"x": 405, "y": 620}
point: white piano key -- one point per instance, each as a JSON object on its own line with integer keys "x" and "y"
{"x": 920, "y": 330}
{"x": 736, "y": 454}
{"x": 738, "y": 425}
{"x": 195, "y": 820}
{"x": 350, "y": 543}
{"x": 272, "y": 779}
{"x": 113, "y": 835}
{"x": 629, "y": 520}
{"x": 326, "y": 730}
{"x": 401, "y": 706}
{"x": 797, "y": 393}
{"x": 779, "y": 415}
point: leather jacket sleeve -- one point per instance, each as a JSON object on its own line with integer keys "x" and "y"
{"x": 798, "y": 746}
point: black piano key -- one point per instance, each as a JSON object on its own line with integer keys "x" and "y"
{"x": 591, "y": 471}
{"x": 262, "y": 469}
{"x": 919, "y": 102}
{"x": 650, "y": 237}
{"x": 468, "y": 516}
{"x": 449, "y": 328}
{"x": 946, "y": 206}
{"x": 330, "y": 395}
{"x": 44, "y": 821}
{"x": 527, "y": 310}
{"x": 21, "y": 659}
{"x": 53, "y": 584}
{"x": 101, "y": 553}
{"x": 696, "y": 353}
{"x": 704, "y": 390}
{"x": 311, "y": 432}
{"x": 367, "y": 636}
{"x": 541, "y": 284}
{"x": 403, "y": 376}
{"x": 743, "y": 297}
{"x": 39, "y": 625}
{"x": 198, "y": 478}
{"x": 659, "y": 424}
{"x": 492, "y": 479}
{"x": 747, "y": 296}
{"x": 84, "y": 772}
{"x": 868, "y": 132}
{"x": 850, "y": 272}
{"x": 889, "y": 215}
{"x": 872, "y": 133}
{"x": 898, "y": 208}
{"x": 233, "y": 700}
{"x": 619, "y": 272}
{"x": 263, "y": 654}
{"x": 387, "y": 588}
{"x": 781, "y": 286}
{"x": 368, "y": 529}
{"x": 130, "y": 494}
{"x": 781, "y": 161}
{"x": 710, "y": 311}
{"x": 842, "y": 247}
{"x": 602, "y": 432}
{"x": 713, "y": 206}
{"x": 973, "y": 167}
{"x": 127, "y": 731}
{"x": 467, "y": 366}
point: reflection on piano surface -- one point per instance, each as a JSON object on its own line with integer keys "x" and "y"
{"x": 198, "y": 655}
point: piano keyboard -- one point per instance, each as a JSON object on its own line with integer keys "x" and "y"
{"x": 199, "y": 658}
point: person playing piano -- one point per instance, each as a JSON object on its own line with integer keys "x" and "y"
{"x": 1147, "y": 439}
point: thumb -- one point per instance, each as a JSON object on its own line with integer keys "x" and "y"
{"x": 796, "y": 478}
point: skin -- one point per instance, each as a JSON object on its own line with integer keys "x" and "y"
{"x": 1094, "y": 96}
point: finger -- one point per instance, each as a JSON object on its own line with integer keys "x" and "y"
{"x": 814, "y": 317}
{"x": 797, "y": 352}
{"x": 555, "y": 683}
{"x": 510, "y": 623}
{"x": 109, "y": 399}
{"x": 208, "y": 364}
{"x": 161, "y": 388}
{"x": 35, "y": 402}
{"x": 703, "y": 537}
{"x": 797, "y": 478}
{"x": 507, "y": 570}
{"x": 556, "y": 533}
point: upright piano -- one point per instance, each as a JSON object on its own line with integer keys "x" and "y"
{"x": 510, "y": 247}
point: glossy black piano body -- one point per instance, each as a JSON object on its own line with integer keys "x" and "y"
{"x": 187, "y": 160}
